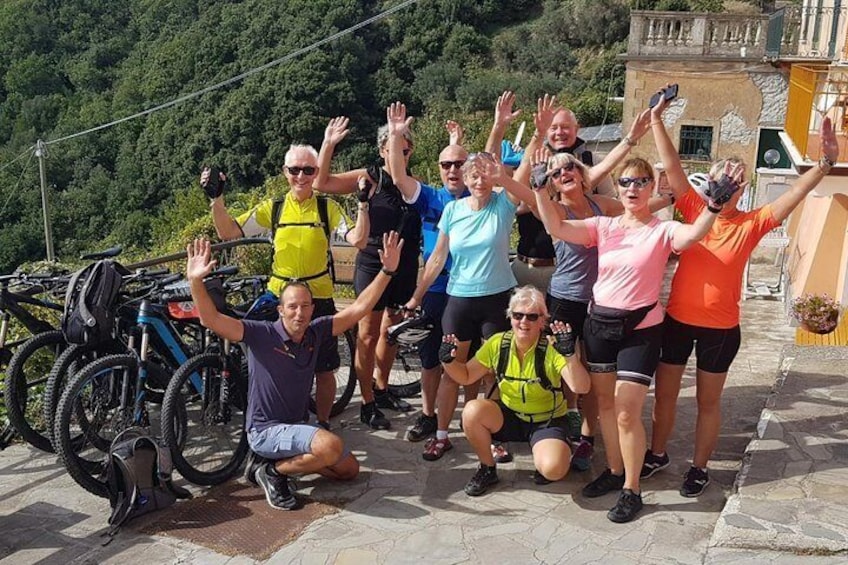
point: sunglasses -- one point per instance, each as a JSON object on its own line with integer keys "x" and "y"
{"x": 521, "y": 315}
{"x": 638, "y": 182}
{"x": 308, "y": 171}
{"x": 447, "y": 165}
{"x": 568, "y": 167}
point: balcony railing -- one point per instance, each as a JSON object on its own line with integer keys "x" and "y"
{"x": 695, "y": 34}
{"x": 816, "y": 33}
{"x": 816, "y": 91}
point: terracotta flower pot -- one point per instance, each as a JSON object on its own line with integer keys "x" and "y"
{"x": 833, "y": 321}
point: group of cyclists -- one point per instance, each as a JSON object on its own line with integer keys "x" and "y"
{"x": 566, "y": 338}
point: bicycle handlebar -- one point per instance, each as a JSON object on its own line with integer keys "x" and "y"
{"x": 215, "y": 247}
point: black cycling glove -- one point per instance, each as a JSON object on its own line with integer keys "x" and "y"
{"x": 363, "y": 192}
{"x": 538, "y": 176}
{"x": 214, "y": 185}
{"x": 564, "y": 342}
{"x": 720, "y": 192}
{"x": 446, "y": 352}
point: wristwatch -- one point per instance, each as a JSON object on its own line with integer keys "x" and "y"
{"x": 388, "y": 272}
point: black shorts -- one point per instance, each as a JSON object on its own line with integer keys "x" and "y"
{"x": 401, "y": 286}
{"x": 328, "y": 357}
{"x": 516, "y": 429}
{"x": 428, "y": 350}
{"x": 715, "y": 349}
{"x": 571, "y": 312}
{"x": 476, "y": 317}
{"x": 634, "y": 358}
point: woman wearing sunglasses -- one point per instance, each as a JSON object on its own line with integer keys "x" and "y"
{"x": 475, "y": 232}
{"x": 528, "y": 408}
{"x": 703, "y": 307}
{"x": 623, "y": 329}
{"x": 387, "y": 211}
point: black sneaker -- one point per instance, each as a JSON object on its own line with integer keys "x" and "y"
{"x": 387, "y": 400}
{"x": 481, "y": 481}
{"x": 540, "y": 479}
{"x": 629, "y": 504}
{"x": 606, "y": 482}
{"x": 424, "y": 427}
{"x": 371, "y": 415}
{"x": 653, "y": 464}
{"x": 276, "y": 489}
{"x": 254, "y": 463}
{"x": 695, "y": 481}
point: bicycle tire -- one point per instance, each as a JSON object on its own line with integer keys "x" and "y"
{"x": 87, "y": 463}
{"x": 405, "y": 374}
{"x": 345, "y": 376}
{"x": 72, "y": 359}
{"x": 209, "y": 452}
{"x": 27, "y": 372}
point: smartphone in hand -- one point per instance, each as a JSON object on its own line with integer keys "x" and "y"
{"x": 669, "y": 93}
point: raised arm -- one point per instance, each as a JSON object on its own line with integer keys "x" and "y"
{"x": 342, "y": 183}
{"x": 687, "y": 235}
{"x": 365, "y": 302}
{"x": 461, "y": 373}
{"x": 358, "y": 236}
{"x": 638, "y": 129}
{"x": 225, "y": 226}
{"x": 456, "y": 134}
{"x": 668, "y": 154}
{"x": 574, "y": 373}
{"x": 504, "y": 116}
{"x": 517, "y": 192}
{"x": 398, "y": 126}
{"x": 546, "y": 109}
{"x": 198, "y": 265}
{"x": 788, "y": 201}
{"x": 435, "y": 264}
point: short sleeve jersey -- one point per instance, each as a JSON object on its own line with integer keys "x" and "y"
{"x": 281, "y": 371}
{"x": 631, "y": 264}
{"x": 517, "y": 393}
{"x": 707, "y": 287}
{"x": 479, "y": 245}
{"x": 300, "y": 245}
{"x": 430, "y": 203}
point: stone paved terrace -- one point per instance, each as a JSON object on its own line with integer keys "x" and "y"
{"x": 405, "y": 510}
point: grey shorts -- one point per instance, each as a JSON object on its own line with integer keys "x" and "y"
{"x": 282, "y": 441}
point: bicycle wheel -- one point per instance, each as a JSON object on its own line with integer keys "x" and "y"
{"x": 204, "y": 431}
{"x": 91, "y": 407}
{"x": 345, "y": 376}
{"x": 72, "y": 359}
{"x": 25, "y": 381}
{"x": 405, "y": 375}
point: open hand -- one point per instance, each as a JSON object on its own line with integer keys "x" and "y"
{"x": 199, "y": 261}
{"x": 456, "y": 135}
{"x": 546, "y": 109}
{"x": 829, "y": 144}
{"x": 396, "y": 118}
{"x": 564, "y": 340}
{"x": 336, "y": 130}
{"x": 390, "y": 253}
{"x": 364, "y": 189}
{"x": 503, "y": 109}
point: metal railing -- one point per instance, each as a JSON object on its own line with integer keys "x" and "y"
{"x": 816, "y": 91}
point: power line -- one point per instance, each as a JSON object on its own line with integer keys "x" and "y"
{"x": 243, "y": 75}
{"x": 18, "y": 158}
{"x": 20, "y": 178}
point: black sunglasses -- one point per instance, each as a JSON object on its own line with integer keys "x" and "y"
{"x": 638, "y": 182}
{"x": 568, "y": 167}
{"x": 446, "y": 165}
{"x": 521, "y": 315}
{"x": 308, "y": 171}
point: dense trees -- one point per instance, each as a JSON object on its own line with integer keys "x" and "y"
{"x": 69, "y": 66}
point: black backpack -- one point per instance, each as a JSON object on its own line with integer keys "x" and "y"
{"x": 89, "y": 315}
{"x": 138, "y": 476}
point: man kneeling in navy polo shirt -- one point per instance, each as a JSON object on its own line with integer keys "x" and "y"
{"x": 281, "y": 363}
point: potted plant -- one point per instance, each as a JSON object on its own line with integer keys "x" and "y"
{"x": 816, "y": 313}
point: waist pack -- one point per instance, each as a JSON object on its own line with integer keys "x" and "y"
{"x": 138, "y": 476}
{"x": 89, "y": 315}
{"x": 612, "y": 324}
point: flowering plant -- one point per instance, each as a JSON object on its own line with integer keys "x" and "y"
{"x": 817, "y": 313}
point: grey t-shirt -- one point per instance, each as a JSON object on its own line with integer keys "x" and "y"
{"x": 281, "y": 371}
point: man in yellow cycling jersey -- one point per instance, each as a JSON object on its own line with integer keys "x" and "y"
{"x": 300, "y": 248}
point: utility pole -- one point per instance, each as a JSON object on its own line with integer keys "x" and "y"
{"x": 41, "y": 153}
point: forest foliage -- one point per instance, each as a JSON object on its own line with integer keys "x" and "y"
{"x": 69, "y": 65}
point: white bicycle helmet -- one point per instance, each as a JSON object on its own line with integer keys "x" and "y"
{"x": 699, "y": 182}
